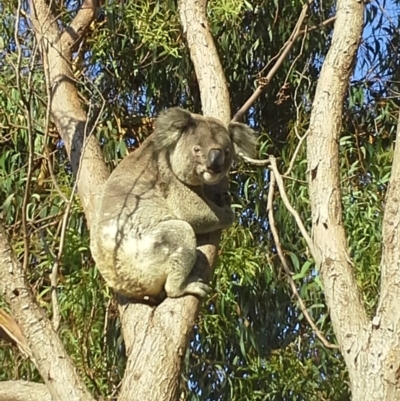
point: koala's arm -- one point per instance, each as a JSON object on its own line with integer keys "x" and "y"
{"x": 205, "y": 210}
{"x": 206, "y": 216}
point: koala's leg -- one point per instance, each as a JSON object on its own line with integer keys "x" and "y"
{"x": 182, "y": 245}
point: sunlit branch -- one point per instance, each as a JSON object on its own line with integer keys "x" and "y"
{"x": 73, "y": 33}
{"x": 19, "y": 390}
{"x": 48, "y": 352}
{"x": 271, "y": 163}
{"x": 390, "y": 260}
{"x": 285, "y": 265}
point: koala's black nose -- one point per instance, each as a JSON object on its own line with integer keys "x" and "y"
{"x": 215, "y": 160}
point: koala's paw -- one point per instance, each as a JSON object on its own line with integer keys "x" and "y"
{"x": 193, "y": 286}
{"x": 198, "y": 288}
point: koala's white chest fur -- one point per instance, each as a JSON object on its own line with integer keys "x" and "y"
{"x": 154, "y": 204}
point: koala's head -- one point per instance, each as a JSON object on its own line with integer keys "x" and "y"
{"x": 201, "y": 149}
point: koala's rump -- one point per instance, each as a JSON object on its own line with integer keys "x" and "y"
{"x": 134, "y": 252}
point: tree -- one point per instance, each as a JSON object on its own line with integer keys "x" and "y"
{"x": 77, "y": 63}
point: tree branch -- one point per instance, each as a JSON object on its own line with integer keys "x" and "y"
{"x": 70, "y": 118}
{"x": 342, "y": 295}
{"x": 286, "y": 268}
{"x": 209, "y": 72}
{"x": 388, "y": 311}
{"x": 44, "y": 21}
{"x": 48, "y": 352}
{"x": 157, "y": 338}
{"x": 18, "y": 390}
{"x": 76, "y": 29}
{"x": 264, "y": 81}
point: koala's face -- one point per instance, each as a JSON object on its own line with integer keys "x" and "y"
{"x": 204, "y": 152}
{"x": 200, "y": 149}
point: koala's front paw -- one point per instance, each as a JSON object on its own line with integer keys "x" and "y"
{"x": 198, "y": 288}
{"x": 177, "y": 286}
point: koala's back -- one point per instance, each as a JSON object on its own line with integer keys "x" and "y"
{"x": 129, "y": 253}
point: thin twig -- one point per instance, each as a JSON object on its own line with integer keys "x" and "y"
{"x": 284, "y": 51}
{"x": 54, "y": 271}
{"x": 318, "y": 26}
{"x": 285, "y": 83}
{"x": 27, "y": 111}
{"x": 296, "y": 151}
{"x": 271, "y": 162}
{"x": 285, "y": 265}
{"x": 52, "y": 175}
{"x": 105, "y": 327}
{"x": 289, "y": 207}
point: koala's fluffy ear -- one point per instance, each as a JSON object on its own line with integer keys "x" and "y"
{"x": 170, "y": 125}
{"x": 243, "y": 138}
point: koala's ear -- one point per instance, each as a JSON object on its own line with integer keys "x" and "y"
{"x": 170, "y": 125}
{"x": 243, "y": 138}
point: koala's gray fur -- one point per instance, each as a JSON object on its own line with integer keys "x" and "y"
{"x": 159, "y": 198}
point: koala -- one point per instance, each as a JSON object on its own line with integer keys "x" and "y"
{"x": 159, "y": 198}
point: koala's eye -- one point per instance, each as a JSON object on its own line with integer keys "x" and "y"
{"x": 227, "y": 152}
{"x": 196, "y": 149}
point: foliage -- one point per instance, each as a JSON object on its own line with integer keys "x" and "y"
{"x": 252, "y": 342}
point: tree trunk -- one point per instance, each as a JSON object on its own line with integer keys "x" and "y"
{"x": 70, "y": 118}
{"x": 378, "y": 364}
{"x": 371, "y": 349}
{"x": 157, "y": 338}
{"x": 47, "y": 350}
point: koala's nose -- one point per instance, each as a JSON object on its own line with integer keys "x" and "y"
{"x": 215, "y": 160}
